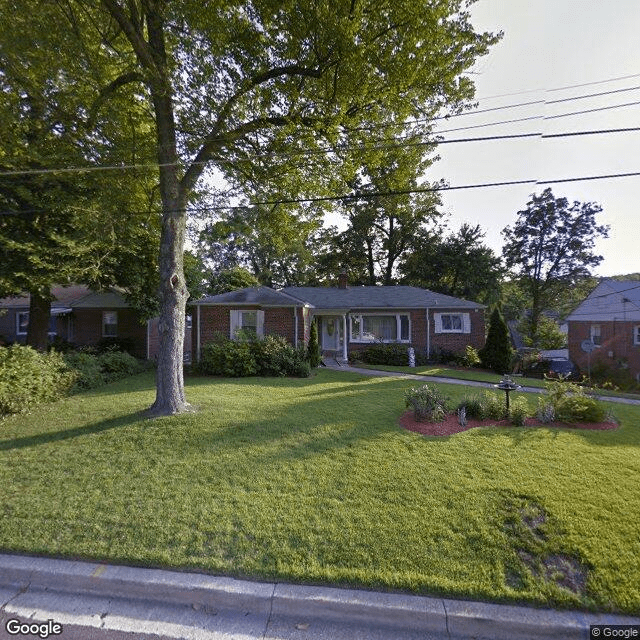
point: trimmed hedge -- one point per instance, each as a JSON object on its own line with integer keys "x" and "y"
{"x": 272, "y": 356}
{"x": 28, "y": 378}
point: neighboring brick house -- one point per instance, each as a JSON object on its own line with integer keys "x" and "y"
{"x": 610, "y": 318}
{"x": 428, "y": 321}
{"x": 84, "y": 318}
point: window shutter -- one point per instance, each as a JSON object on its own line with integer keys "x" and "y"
{"x": 260, "y": 327}
{"x": 437, "y": 320}
{"x": 466, "y": 323}
{"x": 234, "y": 322}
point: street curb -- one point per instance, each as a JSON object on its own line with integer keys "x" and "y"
{"x": 452, "y": 618}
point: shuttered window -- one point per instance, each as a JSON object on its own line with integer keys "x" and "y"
{"x": 248, "y": 323}
{"x": 452, "y": 322}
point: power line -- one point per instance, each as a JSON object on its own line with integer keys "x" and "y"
{"x": 572, "y": 86}
{"x": 535, "y": 134}
{"x": 378, "y": 194}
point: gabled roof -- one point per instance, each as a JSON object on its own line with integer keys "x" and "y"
{"x": 610, "y": 300}
{"x": 73, "y": 297}
{"x": 394, "y": 297}
{"x": 262, "y": 296}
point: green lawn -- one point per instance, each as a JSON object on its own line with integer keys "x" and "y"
{"x": 313, "y": 481}
{"x": 444, "y": 371}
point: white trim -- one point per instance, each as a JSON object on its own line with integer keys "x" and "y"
{"x": 374, "y": 314}
{"x": 428, "y": 334}
{"x": 465, "y": 322}
{"x": 198, "y": 334}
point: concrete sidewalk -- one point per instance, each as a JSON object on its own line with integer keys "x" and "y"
{"x": 458, "y": 381}
{"x": 203, "y": 607}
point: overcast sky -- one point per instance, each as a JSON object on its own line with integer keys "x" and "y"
{"x": 548, "y": 46}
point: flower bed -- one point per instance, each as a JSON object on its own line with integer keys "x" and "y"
{"x": 450, "y": 425}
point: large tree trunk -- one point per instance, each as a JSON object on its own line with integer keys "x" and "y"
{"x": 173, "y": 294}
{"x": 39, "y": 316}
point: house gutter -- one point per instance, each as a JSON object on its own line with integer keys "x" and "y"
{"x": 295, "y": 316}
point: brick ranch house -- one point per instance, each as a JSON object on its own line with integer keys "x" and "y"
{"x": 348, "y": 317}
{"x": 84, "y": 317}
{"x": 610, "y": 318}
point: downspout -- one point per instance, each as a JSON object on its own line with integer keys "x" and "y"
{"x": 197, "y": 333}
{"x": 428, "y": 335}
{"x": 344, "y": 337}
{"x": 295, "y": 315}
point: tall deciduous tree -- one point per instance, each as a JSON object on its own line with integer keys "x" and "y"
{"x": 60, "y": 225}
{"x": 551, "y": 248}
{"x": 459, "y": 265}
{"x": 252, "y": 87}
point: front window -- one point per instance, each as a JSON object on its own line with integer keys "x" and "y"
{"x": 249, "y": 322}
{"x": 22, "y": 323}
{"x": 385, "y": 328}
{"x": 596, "y": 337}
{"x": 452, "y": 322}
{"x": 110, "y": 324}
{"x": 636, "y": 334}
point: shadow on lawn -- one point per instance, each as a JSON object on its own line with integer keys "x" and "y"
{"x": 67, "y": 434}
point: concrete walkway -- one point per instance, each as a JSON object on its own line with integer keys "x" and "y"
{"x": 466, "y": 383}
{"x": 196, "y": 606}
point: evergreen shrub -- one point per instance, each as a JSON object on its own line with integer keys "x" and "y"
{"x": 496, "y": 353}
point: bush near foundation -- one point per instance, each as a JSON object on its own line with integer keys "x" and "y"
{"x": 29, "y": 378}
{"x": 272, "y": 356}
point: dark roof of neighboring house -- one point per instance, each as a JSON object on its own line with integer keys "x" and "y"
{"x": 254, "y": 295}
{"x": 393, "y": 297}
{"x": 610, "y": 300}
{"x": 73, "y": 296}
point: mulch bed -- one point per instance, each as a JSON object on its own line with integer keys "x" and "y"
{"x": 451, "y": 425}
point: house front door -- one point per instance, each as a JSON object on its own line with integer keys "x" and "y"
{"x": 332, "y": 333}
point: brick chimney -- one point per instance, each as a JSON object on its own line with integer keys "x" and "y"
{"x": 342, "y": 279}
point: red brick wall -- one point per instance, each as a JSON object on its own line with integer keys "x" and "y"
{"x": 616, "y": 345}
{"x": 280, "y": 321}
{"x": 216, "y": 320}
{"x": 87, "y": 328}
{"x": 457, "y": 342}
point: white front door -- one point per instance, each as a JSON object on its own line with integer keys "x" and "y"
{"x": 331, "y": 333}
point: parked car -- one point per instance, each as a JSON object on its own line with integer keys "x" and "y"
{"x": 552, "y": 368}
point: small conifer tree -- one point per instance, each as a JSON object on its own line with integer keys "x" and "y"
{"x": 496, "y": 353}
{"x": 313, "y": 348}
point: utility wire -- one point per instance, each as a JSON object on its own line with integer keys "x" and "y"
{"x": 535, "y": 134}
{"x": 378, "y": 194}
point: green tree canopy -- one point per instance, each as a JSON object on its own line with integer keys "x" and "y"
{"x": 266, "y": 89}
{"x": 551, "y": 248}
{"x": 458, "y": 265}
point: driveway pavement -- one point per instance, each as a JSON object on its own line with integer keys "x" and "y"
{"x": 83, "y": 600}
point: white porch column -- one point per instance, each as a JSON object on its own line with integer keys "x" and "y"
{"x": 345, "y": 336}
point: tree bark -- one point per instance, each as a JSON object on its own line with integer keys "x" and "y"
{"x": 173, "y": 294}
{"x": 39, "y": 316}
